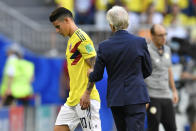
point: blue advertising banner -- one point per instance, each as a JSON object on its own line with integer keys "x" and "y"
{"x": 4, "y": 119}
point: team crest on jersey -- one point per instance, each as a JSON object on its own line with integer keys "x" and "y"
{"x": 167, "y": 56}
{"x": 89, "y": 48}
{"x": 157, "y": 60}
{"x": 70, "y": 47}
{"x": 153, "y": 110}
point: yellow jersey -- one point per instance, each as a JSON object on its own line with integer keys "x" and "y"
{"x": 79, "y": 48}
{"x": 182, "y": 19}
{"x": 68, "y": 4}
{"x": 183, "y": 4}
{"x": 134, "y": 5}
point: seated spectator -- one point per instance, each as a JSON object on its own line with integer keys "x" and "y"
{"x": 192, "y": 20}
{"x": 176, "y": 17}
{"x": 69, "y": 4}
{"x": 150, "y": 16}
{"x": 100, "y": 14}
{"x": 101, "y": 7}
{"x": 176, "y": 31}
{"x": 181, "y": 3}
{"x": 159, "y": 5}
{"x": 84, "y": 12}
{"x": 134, "y": 8}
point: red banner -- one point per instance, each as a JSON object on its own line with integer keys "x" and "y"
{"x": 16, "y": 119}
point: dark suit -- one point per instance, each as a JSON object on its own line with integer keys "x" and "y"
{"x": 127, "y": 62}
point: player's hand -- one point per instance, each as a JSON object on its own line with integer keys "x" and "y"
{"x": 85, "y": 100}
{"x": 175, "y": 97}
{"x": 89, "y": 71}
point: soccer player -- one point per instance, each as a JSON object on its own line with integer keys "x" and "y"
{"x": 80, "y": 55}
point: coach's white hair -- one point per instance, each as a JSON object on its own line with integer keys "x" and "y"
{"x": 118, "y": 17}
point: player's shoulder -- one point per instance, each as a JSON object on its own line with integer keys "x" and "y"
{"x": 82, "y": 35}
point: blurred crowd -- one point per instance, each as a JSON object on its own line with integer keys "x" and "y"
{"x": 179, "y": 16}
{"x": 141, "y": 12}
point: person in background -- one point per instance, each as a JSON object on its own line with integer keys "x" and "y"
{"x": 100, "y": 13}
{"x": 84, "y": 12}
{"x": 17, "y": 78}
{"x": 176, "y": 17}
{"x": 68, "y": 4}
{"x": 161, "y": 109}
{"x": 150, "y": 16}
{"x": 134, "y": 8}
{"x": 189, "y": 77}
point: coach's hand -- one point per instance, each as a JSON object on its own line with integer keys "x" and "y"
{"x": 175, "y": 97}
{"x": 85, "y": 100}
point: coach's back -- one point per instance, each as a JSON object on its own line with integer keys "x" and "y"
{"x": 127, "y": 61}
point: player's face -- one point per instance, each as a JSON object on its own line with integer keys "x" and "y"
{"x": 61, "y": 27}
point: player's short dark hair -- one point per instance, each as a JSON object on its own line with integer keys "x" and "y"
{"x": 152, "y": 30}
{"x": 59, "y": 12}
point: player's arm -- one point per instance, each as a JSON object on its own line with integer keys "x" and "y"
{"x": 91, "y": 62}
{"x": 85, "y": 100}
{"x": 88, "y": 52}
{"x": 94, "y": 75}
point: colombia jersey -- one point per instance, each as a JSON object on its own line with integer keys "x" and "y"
{"x": 79, "y": 48}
